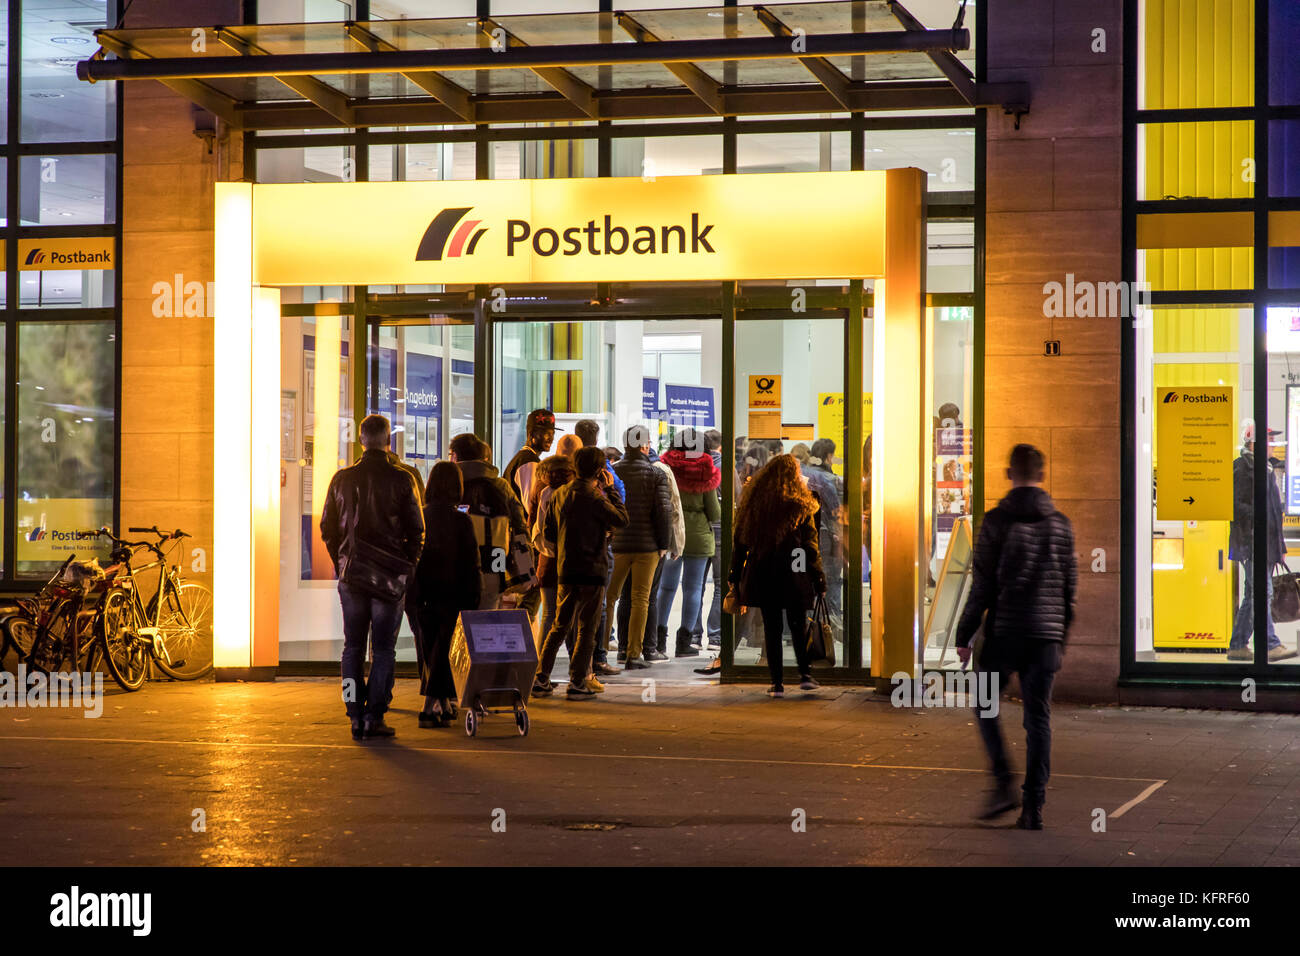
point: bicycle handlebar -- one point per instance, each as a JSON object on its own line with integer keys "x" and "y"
{"x": 163, "y": 535}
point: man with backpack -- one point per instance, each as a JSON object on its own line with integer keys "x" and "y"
{"x": 1025, "y": 577}
{"x": 497, "y": 514}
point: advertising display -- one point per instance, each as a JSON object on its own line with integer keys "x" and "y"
{"x": 689, "y": 405}
{"x": 1194, "y": 452}
{"x": 1293, "y": 450}
{"x": 952, "y": 481}
{"x": 650, "y": 398}
{"x": 830, "y": 420}
{"x": 50, "y": 529}
{"x": 610, "y": 229}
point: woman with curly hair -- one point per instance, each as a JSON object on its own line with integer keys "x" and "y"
{"x": 775, "y": 564}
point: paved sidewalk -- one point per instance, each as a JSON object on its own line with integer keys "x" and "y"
{"x": 702, "y": 775}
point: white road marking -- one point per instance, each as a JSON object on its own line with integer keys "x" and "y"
{"x": 1138, "y": 799}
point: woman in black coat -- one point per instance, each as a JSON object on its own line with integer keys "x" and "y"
{"x": 775, "y": 564}
{"x": 447, "y": 582}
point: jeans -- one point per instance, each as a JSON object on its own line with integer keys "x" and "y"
{"x": 650, "y": 638}
{"x": 1243, "y": 625}
{"x": 548, "y": 618}
{"x": 578, "y": 609}
{"x": 364, "y": 616}
{"x": 715, "y": 605}
{"x": 797, "y": 618}
{"x": 1036, "y": 662}
{"x": 641, "y": 566}
{"x": 687, "y": 571}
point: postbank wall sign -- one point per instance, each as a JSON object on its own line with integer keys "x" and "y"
{"x": 1194, "y": 452}
{"x": 681, "y": 228}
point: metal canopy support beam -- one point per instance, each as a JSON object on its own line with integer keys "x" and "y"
{"x": 525, "y": 57}
{"x": 835, "y": 82}
{"x": 324, "y": 96}
{"x": 565, "y": 83}
{"x": 642, "y": 104}
{"x": 693, "y": 78}
{"x": 455, "y": 98}
{"x": 216, "y": 103}
{"x": 1013, "y": 97}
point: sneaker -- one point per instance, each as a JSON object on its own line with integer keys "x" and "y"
{"x": 775, "y": 691}
{"x": 1279, "y": 653}
{"x": 542, "y": 687}
{"x": 578, "y": 691}
{"x": 807, "y": 683}
{"x": 637, "y": 664}
{"x": 357, "y": 730}
{"x": 656, "y": 655}
{"x": 375, "y": 727}
{"x": 1241, "y": 654}
{"x": 715, "y": 643}
{"x": 595, "y": 686}
{"x": 605, "y": 670}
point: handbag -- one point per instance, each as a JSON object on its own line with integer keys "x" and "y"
{"x": 731, "y": 603}
{"x": 820, "y": 635}
{"x": 519, "y": 565}
{"x": 1286, "y": 597}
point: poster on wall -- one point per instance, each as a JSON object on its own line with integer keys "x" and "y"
{"x": 650, "y": 398}
{"x": 830, "y": 422}
{"x": 1194, "y": 452}
{"x": 952, "y": 482}
{"x": 1293, "y": 449}
{"x": 50, "y": 529}
{"x": 689, "y": 405}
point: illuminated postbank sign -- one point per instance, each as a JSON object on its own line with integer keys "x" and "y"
{"x": 1194, "y": 453}
{"x": 765, "y": 226}
{"x": 66, "y": 254}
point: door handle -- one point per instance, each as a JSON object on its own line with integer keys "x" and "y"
{"x": 1220, "y": 559}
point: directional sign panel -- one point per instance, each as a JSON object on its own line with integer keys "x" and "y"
{"x": 1194, "y": 452}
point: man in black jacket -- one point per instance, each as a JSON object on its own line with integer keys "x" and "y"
{"x": 374, "y": 531}
{"x": 578, "y": 519}
{"x": 640, "y": 546}
{"x": 1025, "y": 577}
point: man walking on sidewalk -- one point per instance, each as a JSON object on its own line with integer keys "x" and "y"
{"x": 1025, "y": 578}
{"x": 374, "y": 531}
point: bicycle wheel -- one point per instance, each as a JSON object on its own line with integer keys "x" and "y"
{"x": 49, "y": 645}
{"x": 185, "y": 626}
{"x": 124, "y": 653}
{"x": 19, "y": 635}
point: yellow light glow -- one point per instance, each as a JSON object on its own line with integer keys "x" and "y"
{"x": 369, "y": 233}
{"x": 232, "y": 488}
{"x": 325, "y": 440}
{"x": 265, "y": 477}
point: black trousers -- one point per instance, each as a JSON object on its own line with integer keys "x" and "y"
{"x": 1036, "y": 663}
{"x": 437, "y": 627}
{"x": 797, "y": 618}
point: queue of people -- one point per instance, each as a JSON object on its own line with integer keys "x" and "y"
{"x": 588, "y": 541}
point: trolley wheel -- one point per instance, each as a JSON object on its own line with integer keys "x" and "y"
{"x": 521, "y": 721}
{"x": 471, "y": 723}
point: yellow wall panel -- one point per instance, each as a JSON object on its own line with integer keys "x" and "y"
{"x": 1197, "y": 53}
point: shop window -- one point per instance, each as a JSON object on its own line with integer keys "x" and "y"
{"x": 66, "y": 411}
{"x": 666, "y": 156}
{"x": 304, "y": 11}
{"x": 1196, "y": 160}
{"x": 421, "y": 162}
{"x": 1284, "y": 158}
{"x": 4, "y": 81}
{"x": 1284, "y": 457}
{"x": 1196, "y": 53}
{"x": 946, "y": 155}
{"x": 306, "y": 164}
{"x": 56, "y": 106}
{"x": 1195, "y": 428}
{"x": 1283, "y": 41}
{"x": 792, "y": 152}
{"x": 67, "y": 190}
{"x": 543, "y": 159}
{"x": 67, "y": 289}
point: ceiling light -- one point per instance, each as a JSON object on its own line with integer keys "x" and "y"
{"x": 45, "y": 95}
{"x": 68, "y": 41}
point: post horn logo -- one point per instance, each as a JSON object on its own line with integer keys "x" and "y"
{"x": 434, "y": 245}
{"x": 765, "y": 385}
{"x": 34, "y": 257}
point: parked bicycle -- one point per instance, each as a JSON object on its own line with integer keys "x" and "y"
{"x": 172, "y": 629}
{"x": 87, "y": 615}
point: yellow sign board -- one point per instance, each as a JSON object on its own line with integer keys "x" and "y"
{"x": 765, "y": 391}
{"x": 764, "y": 423}
{"x": 1194, "y": 452}
{"x": 675, "y": 228}
{"x": 92, "y": 252}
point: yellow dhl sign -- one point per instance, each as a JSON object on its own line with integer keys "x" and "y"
{"x": 41, "y": 255}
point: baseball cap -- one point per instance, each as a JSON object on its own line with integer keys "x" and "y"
{"x": 540, "y": 418}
